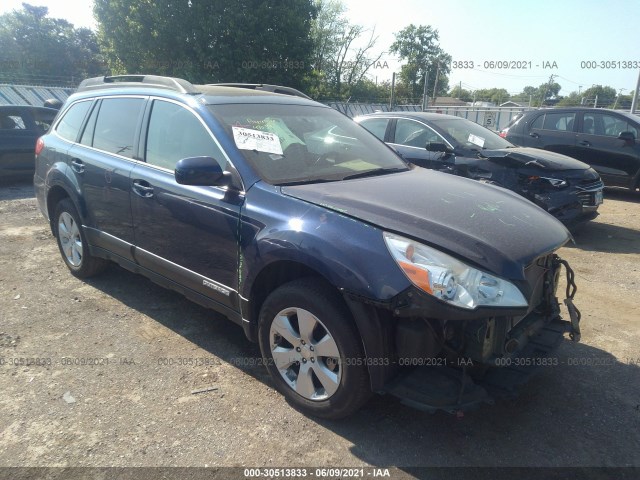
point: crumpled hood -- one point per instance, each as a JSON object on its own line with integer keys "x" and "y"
{"x": 492, "y": 227}
{"x": 543, "y": 159}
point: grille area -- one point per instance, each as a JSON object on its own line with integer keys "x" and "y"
{"x": 587, "y": 192}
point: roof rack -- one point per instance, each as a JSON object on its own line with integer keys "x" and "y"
{"x": 265, "y": 87}
{"x": 117, "y": 81}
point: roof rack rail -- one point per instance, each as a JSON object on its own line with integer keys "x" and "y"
{"x": 117, "y": 81}
{"x": 265, "y": 87}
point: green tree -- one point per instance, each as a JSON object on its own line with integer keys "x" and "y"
{"x": 339, "y": 65}
{"x": 205, "y": 42}
{"x": 461, "y": 94}
{"x": 547, "y": 92}
{"x": 35, "y": 48}
{"x": 494, "y": 95}
{"x": 606, "y": 96}
{"x": 418, "y": 47}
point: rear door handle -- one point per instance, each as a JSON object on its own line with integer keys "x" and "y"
{"x": 77, "y": 165}
{"x": 142, "y": 188}
{"x": 585, "y": 143}
{"x": 534, "y": 135}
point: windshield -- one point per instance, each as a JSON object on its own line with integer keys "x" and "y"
{"x": 289, "y": 144}
{"x": 470, "y": 135}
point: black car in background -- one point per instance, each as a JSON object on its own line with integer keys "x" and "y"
{"x": 20, "y": 127}
{"x": 605, "y": 139}
{"x": 563, "y": 186}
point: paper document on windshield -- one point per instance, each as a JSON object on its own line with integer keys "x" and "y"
{"x": 248, "y": 139}
{"x": 479, "y": 141}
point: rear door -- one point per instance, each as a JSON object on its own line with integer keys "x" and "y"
{"x": 617, "y": 160}
{"x": 101, "y": 161}
{"x": 187, "y": 234}
{"x": 554, "y": 131}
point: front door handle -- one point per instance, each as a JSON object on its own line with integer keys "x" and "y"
{"x": 77, "y": 165}
{"x": 142, "y": 188}
{"x": 534, "y": 135}
{"x": 585, "y": 143}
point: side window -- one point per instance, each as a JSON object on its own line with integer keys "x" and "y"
{"x": 176, "y": 133}
{"x": 70, "y": 124}
{"x": 12, "y": 121}
{"x": 377, "y": 126}
{"x": 414, "y": 134}
{"x": 43, "y": 119}
{"x": 537, "y": 123}
{"x": 612, "y": 126}
{"x": 87, "y": 135}
{"x": 559, "y": 121}
{"x": 589, "y": 124}
{"x": 116, "y": 125}
{"x": 632, "y": 129}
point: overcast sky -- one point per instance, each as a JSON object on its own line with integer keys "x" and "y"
{"x": 534, "y": 34}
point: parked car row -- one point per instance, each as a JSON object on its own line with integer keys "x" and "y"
{"x": 566, "y": 188}
{"x": 354, "y": 271}
{"x": 605, "y": 139}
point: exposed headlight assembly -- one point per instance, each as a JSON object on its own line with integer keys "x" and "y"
{"x": 450, "y": 280}
{"x": 548, "y": 181}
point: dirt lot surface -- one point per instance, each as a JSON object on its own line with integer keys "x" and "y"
{"x": 137, "y": 406}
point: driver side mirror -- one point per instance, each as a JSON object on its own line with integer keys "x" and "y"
{"x": 438, "y": 147}
{"x": 203, "y": 171}
{"x": 627, "y": 137}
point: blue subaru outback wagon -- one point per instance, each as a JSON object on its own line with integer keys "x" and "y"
{"x": 355, "y": 272}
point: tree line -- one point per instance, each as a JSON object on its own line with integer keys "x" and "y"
{"x": 306, "y": 44}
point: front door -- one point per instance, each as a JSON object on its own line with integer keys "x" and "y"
{"x": 186, "y": 233}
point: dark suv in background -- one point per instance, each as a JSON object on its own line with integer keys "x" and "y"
{"x": 354, "y": 271}
{"x": 605, "y": 139}
{"x": 20, "y": 127}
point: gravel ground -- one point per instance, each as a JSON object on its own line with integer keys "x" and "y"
{"x": 151, "y": 350}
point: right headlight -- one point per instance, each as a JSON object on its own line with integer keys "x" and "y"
{"x": 449, "y": 279}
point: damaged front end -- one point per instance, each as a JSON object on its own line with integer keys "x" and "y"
{"x": 456, "y": 361}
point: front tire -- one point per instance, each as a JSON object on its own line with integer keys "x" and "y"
{"x": 312, "y": 349}
{"x": 72, "y": 242}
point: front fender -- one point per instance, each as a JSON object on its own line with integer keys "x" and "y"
{"x": 349, "y": 253}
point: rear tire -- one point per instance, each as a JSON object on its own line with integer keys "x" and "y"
{"x": 72, "y": 242}
{"x": 312, "y": 349}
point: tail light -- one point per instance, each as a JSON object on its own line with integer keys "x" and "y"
{"x": 503, "y": 133}
{"x": 39, "y": 146}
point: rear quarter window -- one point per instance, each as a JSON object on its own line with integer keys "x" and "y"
{"x": 69, "y": 125}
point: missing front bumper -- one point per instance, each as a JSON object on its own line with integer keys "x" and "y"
{"x": 453, "y": 389}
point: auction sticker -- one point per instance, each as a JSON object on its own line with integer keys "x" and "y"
{"x": 249, "y": 139}
{"x": 479, "y": 141}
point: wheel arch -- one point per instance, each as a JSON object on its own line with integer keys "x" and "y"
{"x": 55, "y": 195}
{"x": 268, "y": 280}
{"x": 373, "y": 325}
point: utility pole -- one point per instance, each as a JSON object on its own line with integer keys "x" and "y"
{"x": 425, "y": 98}
{"x": 544, "y": 96}
{"x": 435, "y": 84}
{"x": 634, "y": 102}
{"x": 615, "y": 104}
{"x": 393, "y": 91}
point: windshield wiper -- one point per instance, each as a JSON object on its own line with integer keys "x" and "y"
{"x": 373, "y": 173}
{"x": 307, "y": 181}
